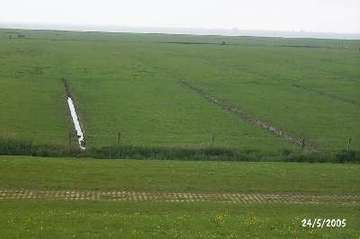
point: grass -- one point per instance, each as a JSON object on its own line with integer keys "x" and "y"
{"x": 158, "y": 110}
{"x": 128, "y": 84}
{"x": 10, "y": 146}
{"x": 31, "y": 100}
{"x": 176, "y": 176}
{"x": 98, "y": 219}
{"x": 324, "y": 110}
{"x": 46, "y": 219}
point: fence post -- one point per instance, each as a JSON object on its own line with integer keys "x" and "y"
{"x": 348, "y": 144}
{"x": 212, "y": 139}
{"x": 118, "y": 138}
{"x": 70, "y": 136}
{"x": 110, "y": 156}
{"x": 303, "y": 143}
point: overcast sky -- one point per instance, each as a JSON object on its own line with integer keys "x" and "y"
{"x": 340, "y": 16}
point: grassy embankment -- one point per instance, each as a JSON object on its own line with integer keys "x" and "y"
{"x": 57, "y": 219}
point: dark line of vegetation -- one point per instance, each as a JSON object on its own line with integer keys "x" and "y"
{"x": 251, "y": 119}
{"x": 305, "y": 46}
{"x": 317, "y": 47}
{"x": 67, "y": 88}
{"x": 195, "y": 43}
{"x": 331, "y": 96}
{"x": 209, "y": 153}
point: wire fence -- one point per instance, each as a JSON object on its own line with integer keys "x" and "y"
{"x": 245, "y": 141}
{"x": 209, "y": 151}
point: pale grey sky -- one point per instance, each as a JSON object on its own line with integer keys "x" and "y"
{"x": 340, "y": 16}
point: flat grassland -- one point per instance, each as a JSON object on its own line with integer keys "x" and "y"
{"x": 182, "y": 91}
{"x": 130, "y": 84}
{"x": 56, "y": 219}
{"x": 176, "y": 176}
{"x": 129, "y": 219}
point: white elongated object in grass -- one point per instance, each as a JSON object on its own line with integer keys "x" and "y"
{"x": 76, "y": 122}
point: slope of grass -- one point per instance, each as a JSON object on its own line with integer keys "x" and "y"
{"x": 45, "y": 219}
{"x": 176, "y": 176}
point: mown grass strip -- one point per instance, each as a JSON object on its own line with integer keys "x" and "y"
{"x": 177, "y": 176}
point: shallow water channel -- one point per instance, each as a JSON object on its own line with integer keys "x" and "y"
{"x": 75, "y": 119}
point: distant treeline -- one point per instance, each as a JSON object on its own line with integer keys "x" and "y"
{"x": 209, "y": 153}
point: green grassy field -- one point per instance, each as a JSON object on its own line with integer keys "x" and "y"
{"x": 48, "y": 219}
{"x": 176, "y": 176}
{"x": 128, "y": 83}
{"x": 31, "y": 99}
{"x": 131, "y": 84}
{"x": 100, "y": 219}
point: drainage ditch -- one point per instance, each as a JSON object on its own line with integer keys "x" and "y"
{"x": 74, "y": 117}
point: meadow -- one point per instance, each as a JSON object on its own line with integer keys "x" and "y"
{"x": 128, "y": 219}
{"x": 176, "y": 176}
{"x": 206, "y": 103}
{"x": 127, "y": 89}
{"x": 56, "y": 219}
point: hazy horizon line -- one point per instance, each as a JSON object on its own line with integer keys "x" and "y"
{"x": 180, "y": 30}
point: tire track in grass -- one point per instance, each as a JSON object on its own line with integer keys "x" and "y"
{"x": 234, "y": 198}
{"x": 226, "y": 106}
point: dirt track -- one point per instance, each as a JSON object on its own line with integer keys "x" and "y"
{"x": 237, "y": 198}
